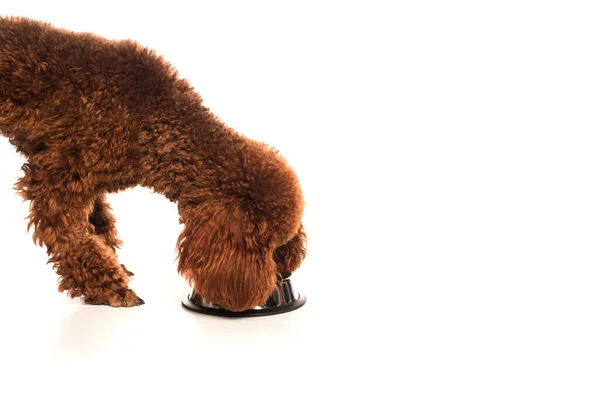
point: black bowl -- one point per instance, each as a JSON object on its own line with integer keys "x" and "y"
{"x": 283, "y": 299}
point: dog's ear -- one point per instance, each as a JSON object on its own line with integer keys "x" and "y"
{"x": 226, "y": 256}
{"x": 289, "y": 256}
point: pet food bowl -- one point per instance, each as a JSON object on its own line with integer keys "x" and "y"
{"x": 283, "y": 299}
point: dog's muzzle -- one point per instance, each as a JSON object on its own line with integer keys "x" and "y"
{"x": 283, "y": 299}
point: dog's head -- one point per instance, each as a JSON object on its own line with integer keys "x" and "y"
{"x": 228, "y": 243}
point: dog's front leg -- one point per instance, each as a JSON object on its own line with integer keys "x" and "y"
{"x": 105, "y": 227}
{"x": 87, "y": 266}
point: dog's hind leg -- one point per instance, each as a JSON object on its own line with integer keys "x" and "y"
{"x": 60, "y": 214}
{"x": 105, "y": 227}
{"x": 289, "y": 256}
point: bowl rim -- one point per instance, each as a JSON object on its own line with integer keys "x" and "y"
{"x": 187, "y": 303}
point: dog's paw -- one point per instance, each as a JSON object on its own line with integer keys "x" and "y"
{"x": 115, "y": 298}
{"x": 128, "y": 272}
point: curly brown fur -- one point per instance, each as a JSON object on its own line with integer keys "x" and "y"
{"x": 94, "y": 116}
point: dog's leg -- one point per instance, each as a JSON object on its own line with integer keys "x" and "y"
{"x": 105, "y": 226}
{"x": 87, "y": 266}
{"x": 104, "y": 222}
{"x": 289, "y": 256}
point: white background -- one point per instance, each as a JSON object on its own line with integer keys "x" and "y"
{"x": 449, "y": 155}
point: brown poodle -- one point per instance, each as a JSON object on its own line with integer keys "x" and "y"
{"x": 94, "y": 116}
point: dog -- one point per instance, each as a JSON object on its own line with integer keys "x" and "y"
{"x": 94, "y": 116}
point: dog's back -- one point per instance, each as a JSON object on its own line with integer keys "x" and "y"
{"x": 52, "y": 79}
{"x": 34, "y": 61}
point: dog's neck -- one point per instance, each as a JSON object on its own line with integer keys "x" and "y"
{"x": 190, "y": 158}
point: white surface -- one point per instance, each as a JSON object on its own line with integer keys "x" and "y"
{"x": 449, "y": 157}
